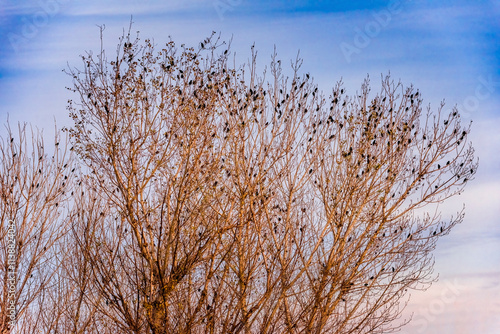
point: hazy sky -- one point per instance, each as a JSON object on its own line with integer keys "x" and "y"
{"x": 449, "y": 50}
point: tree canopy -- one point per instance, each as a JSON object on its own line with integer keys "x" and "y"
{"x": 212, "y": 199}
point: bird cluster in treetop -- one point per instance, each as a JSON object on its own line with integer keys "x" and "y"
{"x": 166, "y": 105}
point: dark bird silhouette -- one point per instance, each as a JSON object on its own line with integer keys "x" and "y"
{"x": 11, "y": 140}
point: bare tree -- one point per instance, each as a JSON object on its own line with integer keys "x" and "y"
{"x": 35, "y": 188}
{"x": 217, "y": 201}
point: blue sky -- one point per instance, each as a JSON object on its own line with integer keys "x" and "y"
{"x": 447, "y": 49}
